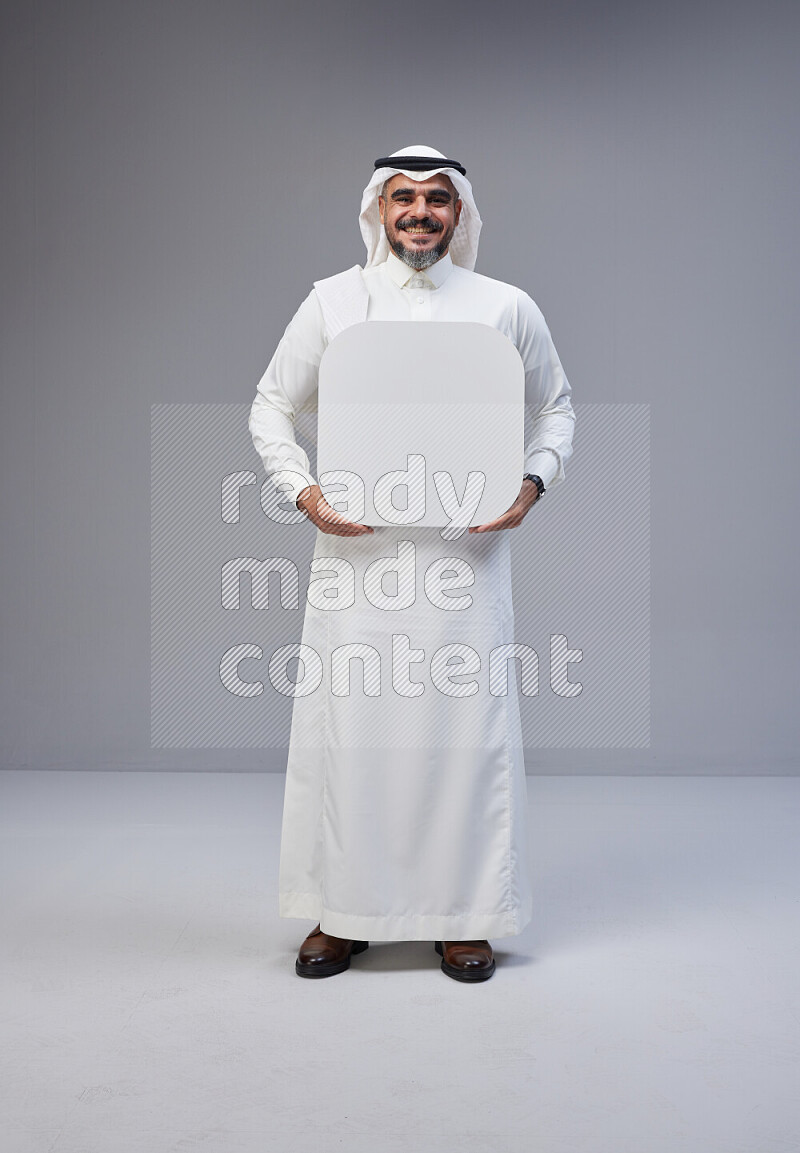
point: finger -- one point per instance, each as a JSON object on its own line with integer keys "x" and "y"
{"x": 345, "y": 529}
{"x": 330, "y": 516}
{"x": 505, "y": 521}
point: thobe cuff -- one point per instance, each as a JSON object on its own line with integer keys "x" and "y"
{"x": 544, "y": 464}
{"x": 292, "y": 482}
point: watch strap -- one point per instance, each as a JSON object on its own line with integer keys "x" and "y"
{"x": 537, "y": 480}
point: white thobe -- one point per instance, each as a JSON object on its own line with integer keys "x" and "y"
{"x": 405, "y": 801}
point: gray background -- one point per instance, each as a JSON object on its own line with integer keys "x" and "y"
{"x": 177, "y": 174}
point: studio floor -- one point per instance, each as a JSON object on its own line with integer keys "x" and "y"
{"x": 150, "y": 1003}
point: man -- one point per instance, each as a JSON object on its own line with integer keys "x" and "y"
{"x": 405, "y": 804}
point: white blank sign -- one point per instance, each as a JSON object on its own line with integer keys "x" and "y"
{"x": 425, "y": 414}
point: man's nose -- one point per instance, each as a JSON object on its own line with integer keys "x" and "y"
{"x": 420, "y": 206}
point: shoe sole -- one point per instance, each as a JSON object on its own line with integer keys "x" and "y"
{"x": 304, "y": 969}
{"x": 463, "y": 974}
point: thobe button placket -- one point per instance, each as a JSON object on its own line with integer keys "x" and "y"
{"x": 420, "y": 306}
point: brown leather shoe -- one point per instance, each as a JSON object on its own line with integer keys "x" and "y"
{"x": 321, "y": 955}
{"x": 466, "y": 960}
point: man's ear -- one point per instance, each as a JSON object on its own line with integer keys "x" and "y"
{"x": 459, "y": 206}
{"x": 381, "y": 207}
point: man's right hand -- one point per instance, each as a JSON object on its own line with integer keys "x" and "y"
{"x": 328, "y": 520}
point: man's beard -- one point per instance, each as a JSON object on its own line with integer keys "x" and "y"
{"x": 419, "y": 258}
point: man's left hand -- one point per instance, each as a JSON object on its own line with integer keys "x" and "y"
{"x": 528, "y": 495}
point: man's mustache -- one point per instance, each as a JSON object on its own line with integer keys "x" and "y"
{"x": 423, "y": 222}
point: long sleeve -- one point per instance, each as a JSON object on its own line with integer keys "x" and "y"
{"x": 550, "y": 420}
{"x": 288, "y": 384}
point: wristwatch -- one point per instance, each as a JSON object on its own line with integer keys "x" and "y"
{"x": 537, "y": 480}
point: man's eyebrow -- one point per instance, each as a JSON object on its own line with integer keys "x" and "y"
{"x": 433, "y": 192}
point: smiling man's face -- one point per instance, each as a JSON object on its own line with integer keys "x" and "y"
{"x": 419, "y": 217}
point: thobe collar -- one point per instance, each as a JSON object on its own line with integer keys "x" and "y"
{"x": 432, "y": 277}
